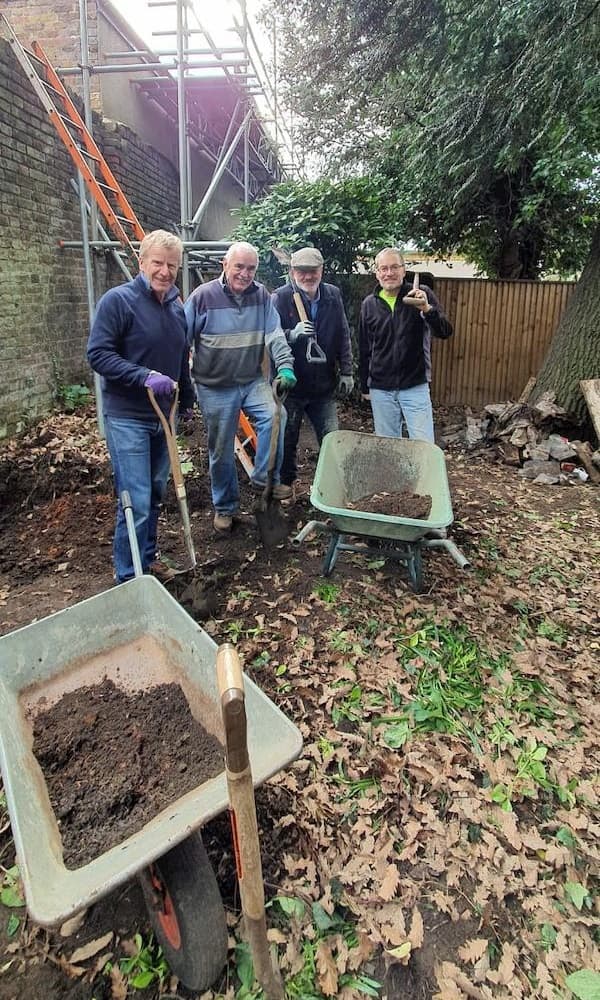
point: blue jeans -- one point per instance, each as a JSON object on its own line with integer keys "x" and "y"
{"x": 220, "y": 408}
{"x": 392, "y": 408}
{"x": 140, "y": 461}
{"x": 322, "y": 414}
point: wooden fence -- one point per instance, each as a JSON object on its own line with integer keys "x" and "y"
{"x": 502, "y": 330}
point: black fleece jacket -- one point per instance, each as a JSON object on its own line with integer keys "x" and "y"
{"x": 395, "y": 347}
{"x": 317, "y": 381}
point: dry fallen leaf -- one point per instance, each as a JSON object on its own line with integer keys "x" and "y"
{"x": 91, "y": 948}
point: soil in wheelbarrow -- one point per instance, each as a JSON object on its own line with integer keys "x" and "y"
{"x": 113, "y": 760}
{"x": 402, "y": 504}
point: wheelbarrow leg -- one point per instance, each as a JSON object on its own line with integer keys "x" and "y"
{"x": 332, "y": 553}
{"x": 187, "y": 914}
{"x": 414, "y": 565}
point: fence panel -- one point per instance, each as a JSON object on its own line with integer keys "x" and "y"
{"x": 502, "y": 330}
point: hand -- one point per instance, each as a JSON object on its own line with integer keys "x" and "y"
{"x": 366, "y": 396}
{"x": 302, "y": 330}
{"x": 417, "y": 297}
{"x": 160, "y": 384}
{"x": 345, "y": 386}
{"x": 286, "y": 378}
{"x": 187, "y": 418}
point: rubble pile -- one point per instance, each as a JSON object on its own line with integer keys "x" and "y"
{"x": 534, "y": 438}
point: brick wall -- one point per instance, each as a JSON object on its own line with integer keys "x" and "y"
{"x": 55, "y": 25}
{"x": 42, "y": 295}
{"x": 44, "y": 320}
{"x": 149, "y": 180}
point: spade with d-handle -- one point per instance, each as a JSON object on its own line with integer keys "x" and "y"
{"x": 168, "y": 426}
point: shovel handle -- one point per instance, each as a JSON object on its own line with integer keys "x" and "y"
{"x": 300, "y": 307}
{"x": 168, "y": 426}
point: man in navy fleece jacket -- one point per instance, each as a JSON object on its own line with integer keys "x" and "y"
{"x": 139, "y": 342}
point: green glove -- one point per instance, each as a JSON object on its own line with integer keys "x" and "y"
{"x": 287, "y": 378}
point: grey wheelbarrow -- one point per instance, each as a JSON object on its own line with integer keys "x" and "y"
{"x": 138, "y": 636}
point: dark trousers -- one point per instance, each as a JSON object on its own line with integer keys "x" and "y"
{"x": 322, "y": 414}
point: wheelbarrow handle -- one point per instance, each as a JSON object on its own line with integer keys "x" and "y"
{"x": 244, "y": 826}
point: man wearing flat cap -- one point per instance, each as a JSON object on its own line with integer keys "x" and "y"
{"x": 322, "y": 349}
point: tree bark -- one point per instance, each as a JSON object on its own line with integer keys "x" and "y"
{"x": 574, "y": 353}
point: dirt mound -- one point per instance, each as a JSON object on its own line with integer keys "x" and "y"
{"x": 61, "y": 455}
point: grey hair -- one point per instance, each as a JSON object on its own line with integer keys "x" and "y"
{"x": 160, "y": 238}
{"x": 393, "y": 250}
{"x": 240, "y": 245}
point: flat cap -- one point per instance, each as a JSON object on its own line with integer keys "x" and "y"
{"x": 307, "y": 257}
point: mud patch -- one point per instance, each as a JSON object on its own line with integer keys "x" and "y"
{"x": 113, "y": 760}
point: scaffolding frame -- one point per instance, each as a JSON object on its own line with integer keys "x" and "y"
{"x": 244, "y": 70}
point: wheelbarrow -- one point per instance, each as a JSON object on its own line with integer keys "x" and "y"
{"x": 353, "y": 465}
{"x": 137, "y": 635}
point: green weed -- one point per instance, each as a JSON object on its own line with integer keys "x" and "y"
{"x": 327, "y": 592}
{"x": 73, "y": 396}
{"x": 146, "y": 966}
{"x": 530, "y": 776}
{"x": 11, "y": 889}
{"x": 446, "y": 666}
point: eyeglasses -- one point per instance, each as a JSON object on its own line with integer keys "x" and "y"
{"x": 392, "y": 269}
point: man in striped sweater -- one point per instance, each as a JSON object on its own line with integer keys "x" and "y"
{"x": 231, "y": 321}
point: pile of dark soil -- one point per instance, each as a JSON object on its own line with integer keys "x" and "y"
{"x": 402, "y": 504}
{"x": 113, "y": 760}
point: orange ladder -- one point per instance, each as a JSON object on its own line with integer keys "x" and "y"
{"x": 107, "y": 193}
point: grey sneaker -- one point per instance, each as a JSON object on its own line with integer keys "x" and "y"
{"x": 223, "y": 522}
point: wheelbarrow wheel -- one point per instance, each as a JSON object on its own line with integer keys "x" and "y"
{"x": 414, "y": 564}
{"x": 187, "y": 914}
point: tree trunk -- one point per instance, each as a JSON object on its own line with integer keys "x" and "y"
{"x": 574, "y": 353}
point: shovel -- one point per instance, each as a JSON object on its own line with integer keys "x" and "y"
{"x": 314, "y": 352}
{"x": 244, "y": 828}
{"x": 270, "y": 519}
{"x": 171, "y": 436}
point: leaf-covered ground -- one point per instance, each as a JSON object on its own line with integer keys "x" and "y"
{"x": 438, "y": 834}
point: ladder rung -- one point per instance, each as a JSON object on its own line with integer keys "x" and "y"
{"x": 33, "y": 56}
{"x": 52, "y": 89}
{"x": 84, "y": 152}
{"x": 107, "y": 187}
{"x": 69, "y": 121}
{"x": 123, "y": 218}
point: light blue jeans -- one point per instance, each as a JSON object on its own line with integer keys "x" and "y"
{"x": 392, "y": 408}
{"x": 140, "y": 461}
{"x": 221, "y": 413}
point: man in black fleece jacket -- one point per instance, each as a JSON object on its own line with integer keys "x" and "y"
{"x": 322, "y": 352}
{"x": 394, "y": 340}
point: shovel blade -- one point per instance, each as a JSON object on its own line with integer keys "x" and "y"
{"x": 272, "y": 524}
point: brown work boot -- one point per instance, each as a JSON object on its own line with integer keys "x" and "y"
{"x": 223, "y": 522}
{"x": 161, "y": 571}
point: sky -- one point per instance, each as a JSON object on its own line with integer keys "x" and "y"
{"x": 217, "y": 18}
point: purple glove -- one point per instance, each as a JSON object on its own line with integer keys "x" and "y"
{"x": 160, "y": 384}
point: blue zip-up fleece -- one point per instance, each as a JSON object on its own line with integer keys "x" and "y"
{"x": 133, "y": 334}
{"x": 230, "y": 336}
{"x": 333, "y": 336}
{"x": 395, "y": 347}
